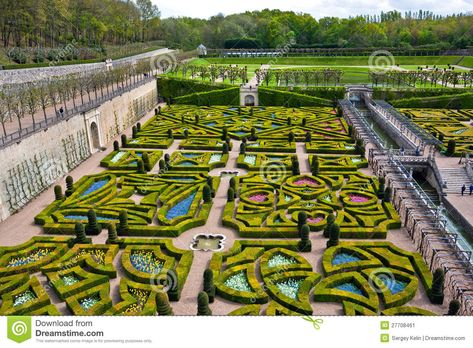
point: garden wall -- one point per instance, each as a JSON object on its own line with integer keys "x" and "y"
{"x": 35, "y": 163}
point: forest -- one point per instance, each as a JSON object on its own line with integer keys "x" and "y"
{"x": 53, "y": 23}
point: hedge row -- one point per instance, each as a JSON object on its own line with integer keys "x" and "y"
{"x": 272, "y": 97}
{"x": 458, "y": 101}
{"x": 228, "y": 96}
{"x": 172, "y": 87}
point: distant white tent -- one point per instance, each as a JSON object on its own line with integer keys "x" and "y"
{"x": 202, "y": 50}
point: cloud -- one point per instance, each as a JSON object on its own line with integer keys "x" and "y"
{"x": 317, "y": 8}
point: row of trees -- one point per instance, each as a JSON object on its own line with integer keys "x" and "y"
{"x": 274, "y": 28}
{"x": 52, "y": 23}
{"x": 222, "y": 72}
{"x": 424, "y": 78}
{"x": 312, "y": 77}
{"x": 32, "y": 99}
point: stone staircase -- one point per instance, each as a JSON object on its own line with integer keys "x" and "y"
{"x": 455, "y": 178}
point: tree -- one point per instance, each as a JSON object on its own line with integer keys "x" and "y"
{"x": 334, "y": 235}
{"x": 93, "y": 227}
{"x": 79, "y": 230}
{"x": 305, "y": 244}
{"x": 328, "y": 227}
{"x": 112, "y": 234}
{"x": 58, "y": 193}
{"x": 162, "y": 303}
{"x": 123, "y": 223}
{"x": 301, "y": 220}
{"x": 203, "y": 304}
{"x": 148, "y": 12}
{"x": 436, "y": 292}
{"x": 69, "y": 185}
{"x": 451, "y": 147}
{"x": 315, "y": 165}
{"x": 453, "y": 307}
{"x": 207, "y": 194}
{"x": 209, "y": 287}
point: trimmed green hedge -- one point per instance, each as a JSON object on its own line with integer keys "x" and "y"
{"x": 172, "y": 87}
{"x": 273, "y": 97}
{"x": 228, "y": 96}
{"x": 458, "y": 101}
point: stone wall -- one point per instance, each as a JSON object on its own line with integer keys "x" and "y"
{"x": 35, "y": 163}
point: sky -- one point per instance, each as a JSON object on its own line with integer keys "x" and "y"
{"x": 317, "y": 8}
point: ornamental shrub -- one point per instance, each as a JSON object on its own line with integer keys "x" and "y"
{"x": 79, "y": 230}
{"x": 304, "y": 121}
{"x": 134, "y": 131}
{"x": 315, "y": 165}
{"x": 58, "y": 193}
{"x": 305, "y": 245}
{"x": 112, "y": 234}
{"x": 207, "y": 194}
{"x": 242, "y": 148}
{"x": 93, "y": 227}
{"x": 209, "y": 287}
{"x": 387, "y": 194}
{"x": 295, "y": 167}
{"x": 146, "y": 163}
{"x": 116, "y": 146}
{"x": 162, "y": 166}
{"x": 163, "y": 305}
{"x": 140, "y": 166}
{"x": 123, "y": 222}
{"x": 170, "y": 133}
{"x": 290, "y": 137}
{"x": 203, "y": 304}
{"x": 224, "y": 133}
{"x": 138, "y": 126}
{"x": 381, "y": 187}
{"x": 69, "y": 185}
{"x": 225, "y": 148}
{"x": 436, "y": 293}
{"x": 334, "y": 235}
{"x": 123, "y": 138}
{"x": 233, "y": 183}
{"x": 451, "y": 147}
{"x": 453, "y": 307}
{"x": 230, "y": 195}
{"x": 308, "y": 137}
{"x": 186, "y": 133}
{"x": 301, "y": 220}
{"x": 328, "y": 227}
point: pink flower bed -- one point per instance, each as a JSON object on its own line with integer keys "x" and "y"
{"x": 258, "y": 198}
{"x": 358, "y": 199}
{"x": 305, "y": 181}
{"x": 315, "y": 220}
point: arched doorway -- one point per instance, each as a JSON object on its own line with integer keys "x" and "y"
{"x": 249, "y": 100}
{"x": 94, "y": 133}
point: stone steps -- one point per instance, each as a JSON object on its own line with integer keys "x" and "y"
{"x": 455, "y": 178}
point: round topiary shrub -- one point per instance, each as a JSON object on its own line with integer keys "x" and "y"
{"x": 453, "y": 307}
{"x": 242, "y": 148}
{"x": 451, "y": 147}
{"x": 308, "y": 137}
{"x": 124, "y": 140}
{"x": 301, "y": 220}
{"x": 138, "y": 126}
{"x": 330, "y": 221}
{"x": 134, "y": 131}
{"x": 162, "y": 166}
{"x": 116, "y": 146}
{"x": 203, "y": 304}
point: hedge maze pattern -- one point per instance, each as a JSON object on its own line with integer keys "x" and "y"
{"x": 143, "y": 193}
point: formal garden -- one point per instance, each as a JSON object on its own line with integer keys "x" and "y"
{"x": 309, "y": 225}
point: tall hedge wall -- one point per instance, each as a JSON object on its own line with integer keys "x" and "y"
{"x": 458, "y": 101}
{"x": 171, "y": 87}
{"x": 228, "y": 96}
{"x": 332, "y": 93}
{"x": 394, "y": 94}
{"x": 272, "y": 97}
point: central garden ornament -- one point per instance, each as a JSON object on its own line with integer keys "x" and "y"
{"x": 208, "y": 242}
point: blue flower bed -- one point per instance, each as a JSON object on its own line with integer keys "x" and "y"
{"x": 94, "y": 187}
{"x": 145, "y": 261}
{"x": 191, "y": 155}
{"x": 238, "y": 282}
{"x": 350, "y": 287}
{"x": 394, "y": 285}
{"x": 88, "y": 302}
{"x": 290, "y": 287}
{"x": 83, "y": 217}
{"x": 181, "y": 208}
{"x": 30, "y": 258}
{"x": 23, "y": 298}
{"x": 342, "y": 258}
{"x": 187, "y": 164}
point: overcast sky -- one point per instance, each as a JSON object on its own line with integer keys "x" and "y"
{"x": 317, "y": 8}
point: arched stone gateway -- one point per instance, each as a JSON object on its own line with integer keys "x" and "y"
{"x": 94, "y": 134}
{"x": 249, "y": 100}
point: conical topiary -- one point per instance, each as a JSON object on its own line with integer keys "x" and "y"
{"x": 163, "y": 305}
{"x": 453, "y": 307}
{"x": 334, "y": 235}
{"x": 140, "y": 166}
{"x": 69, "y": 185}
{"x": 112, "y": 234}
{"x": 116, "y": 146}
{"x": 123, "y": 223}
{"x": 79, "y": 230}
{"x": 305, "y": 245}
{"x": 230, "y": 195}
{"x": 93, "y": 227}
{"x": 207, "y": 194}
{"x": 58, "y": 193}
{"x": 330, "y": 221}
{"x": 203, "y": 304}
{"x": 301, "y": 220}
{"x": 436, "y": 292}
{"x": 146, "y": 163}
